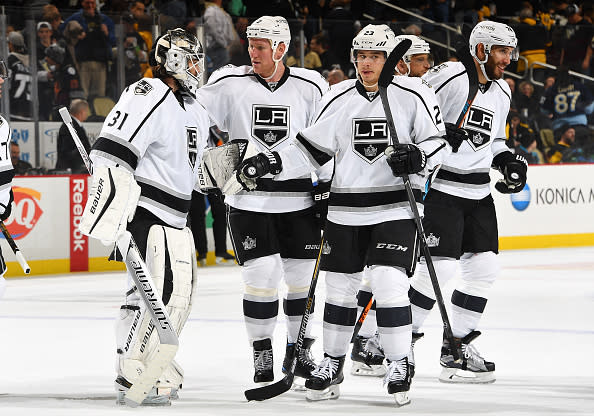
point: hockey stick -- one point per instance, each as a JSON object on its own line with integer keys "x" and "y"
{"x": 15, "y": 249}
{"x": 281, "y": 386}
{"x": 169, "y": 342}
{"x": 384, "y": 81}
{"x": 463, "y": 52}
{"x": 361, "y": 319}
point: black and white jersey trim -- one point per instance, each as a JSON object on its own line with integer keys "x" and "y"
{"x": 6, "y": 175}
{"x": 163, "y": 199}
{"x": 505, "y": 92}
{"x": 356, "y": 201}
{"x": 420, "y": 98}
{"x": 333, "y": 100}
{"x": 320, "y": 156}
{"x": 448, "y": 80}
{"x": 290, "y": 186}
{"x": 474, "y": 178}
{"x": 149, "y": 114}
{"x": 117, "y": 150}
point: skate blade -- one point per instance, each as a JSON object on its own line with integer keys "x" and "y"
{"x": 457, "y": 375}
{"x": 361, "y": 369}
{"x": 401, "y": 398}
{"x": 331, "y": 393}
{"x": 298, "y": 384}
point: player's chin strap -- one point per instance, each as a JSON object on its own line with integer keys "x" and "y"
{"x": 483, "y": 62}
{"x": 276, "y": 61}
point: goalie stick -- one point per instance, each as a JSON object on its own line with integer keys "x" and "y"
{"x": 15, "y": 249}
{"x": 168, "y": 340}
{"x": 385, "y": 79}
{"x": 281, "y": 386}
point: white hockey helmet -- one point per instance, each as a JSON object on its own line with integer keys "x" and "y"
{"x": 373, "y": 38}
{"x": 274, "y": 28}
{"x": 493, "y": 34}
{"x": 418, "y": 47}
{"x": 178, "y": 51}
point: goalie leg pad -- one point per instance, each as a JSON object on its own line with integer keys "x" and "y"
{"x": 111, "y": 205}
{"x": 171, "y": 262}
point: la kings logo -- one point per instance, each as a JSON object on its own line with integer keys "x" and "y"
{"x": 270, "y": 124}
{"x": 192, "y": 135}
{"x": 142, "y": 88}
{"x": 370, "y": 138}
{"x": 478, "y": 123}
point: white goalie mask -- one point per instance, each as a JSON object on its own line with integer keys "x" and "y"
{"x": 373, "y": 38}
{"x": 418, "y": 47}
{"x": 179, "y": 52}
{"x": 492, "y": 34}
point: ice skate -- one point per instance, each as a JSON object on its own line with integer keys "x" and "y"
{"x": 156, "y": 397}
{"x": 411, "y": 355}
{"x": 398, "y": 380}
{"x": 325, "y": 379}
{"x": 305, "y": 363}
{"x": 472, "y": 369}
{"x": 263, "y": 364}
{"x": 224, "y": 259}
{"x": 368, "y": 357}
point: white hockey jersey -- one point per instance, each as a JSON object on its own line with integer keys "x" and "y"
{"x": 6, "y": 169}
{"x": 352, "y": 129}
{"x": 159, "y": 136}
{"x": 466, "y": 173}
{"x": 242, "y": 103}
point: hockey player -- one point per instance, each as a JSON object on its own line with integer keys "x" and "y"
{"x": 367, "y": 354}
{"x": 460, "y": 221}
{"x": 6, "y": 175}
{"x": 273, "y": 230}
{"x": 146, "y": 159}
{"x": 369, "y": 219}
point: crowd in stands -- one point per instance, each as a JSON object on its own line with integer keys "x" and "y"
{"x": 77, "y": 52}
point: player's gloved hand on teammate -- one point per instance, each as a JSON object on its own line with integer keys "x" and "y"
{"x": 7, "y": 209}
{"x": 405, "y": 158}
{"x": 514, "y": 169}
{"x": 455, "y": 136}
{"x": 257, "y": 166}
{"x": 321, "y": 195}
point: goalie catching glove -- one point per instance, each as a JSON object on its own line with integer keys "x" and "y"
{"x": 111, "y": 205}
{"x": 257, "y": 166}
{"x": 514, "y": 169}
{"x": 405, "y": 159}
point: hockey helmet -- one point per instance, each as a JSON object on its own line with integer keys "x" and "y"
{"x": 418, "y": 47}
{"x": 274, "y": 28}
{"x": 373, "y": 38}
{"x": 178, "y": 51}
{"x": 493, "y": 34}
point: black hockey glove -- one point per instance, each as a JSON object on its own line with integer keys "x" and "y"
{"x": 8, "y": 208}
{"x": 514, "y": 169}
{"x": 257, "y": 166}
{"x": 455, "y": 136}
{"x": 405, "y": 158}
{"x": 321, "y": 195}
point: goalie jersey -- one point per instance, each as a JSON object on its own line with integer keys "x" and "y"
{"x": 243, "y": 104}
{"x": 466, "y": 173}
{"x": 352, "y": 129}
{"x": 159, "y": 136}
{"x": 6, "y": 169}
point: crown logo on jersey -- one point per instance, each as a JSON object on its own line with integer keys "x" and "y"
{"x": 370, "y": 151}
{"x": 477, "y": 138}
{"x": 249, "y": 243}
{"x": 326, "y": 249}
{"x": 270, "y": 137}
{"x": 142, "y": 88}
{"x": 432, "y": 241}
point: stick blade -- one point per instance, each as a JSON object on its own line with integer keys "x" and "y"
{"x": 271, "y": 390}
{"x": 65, "y": 115}
{"x": 396, "y": 55}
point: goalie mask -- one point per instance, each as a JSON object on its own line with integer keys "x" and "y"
{"x": 492, "y": 34}
{"x": 373, "y": 38}
{"x": 276, "y": 30}
{"x": 418, "y": 47}
{"x": 182, "y": 56}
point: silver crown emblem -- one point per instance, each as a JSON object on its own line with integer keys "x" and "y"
{"x": 326, "y": 249}
{"x": 249, "y": 243}
{"x": 432, "y": 241}
{"x": 270, "y": 137}
{"x": 477, "y": 138}
{"x": 371, "y": 151}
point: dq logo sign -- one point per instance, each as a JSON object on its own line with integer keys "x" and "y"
{"x": 25, "y": 212}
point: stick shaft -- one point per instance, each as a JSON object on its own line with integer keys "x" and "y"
{"x": 15, "y": 249}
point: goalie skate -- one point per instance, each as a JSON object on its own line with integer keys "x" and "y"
{"x": 156, "y": 397}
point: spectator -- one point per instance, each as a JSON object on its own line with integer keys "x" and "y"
{"x": 45, "y": 76}
{"x": 68, "y": 155}
{"x": 239, "y": 53}
{"x": 335, "y": 76}
{"x": 135, "y": 50}
{"x": 532, "y": 38}
{"x": 20, "y": 166}
{"x": 52, "y": 15}
{"x": 512, "y": 86}
{"x": 578, "y": 36}
{"x": 521, "y": 138}
{"x": 73, "y": 33}
{"x": 563, "y": 146}
{"x": 319, "y": 44}
{"x": 20, "y": 78}
{"x": 143, "y": 23}
{"x": 175, "y": 9}
{"x": 311, "y": 60}
{"x": 338, "y": 26}
{"x": 44, "y": 38}
{"x": 94, "y": 50}
{"x": 66, "y": 85}
{"x": 220, "y": 34}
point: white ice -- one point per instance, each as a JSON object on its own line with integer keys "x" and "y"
{"x": 57, "y": 348}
